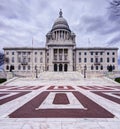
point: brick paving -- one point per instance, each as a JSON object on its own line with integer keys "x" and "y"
{"x": 65, "y": 101}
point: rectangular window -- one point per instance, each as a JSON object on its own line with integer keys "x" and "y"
{"x": 79, "y": 53}
{"x": 41, "y": 60}
{"x": 28, "y": 53}
{"x": 79, "y": 60}
{"x": 12, "y": 53}
{"x": 96, "y": 53}
{"x": 85, "y": 53}
{"x": 85, "y": 60}
{"x": 35, "y": 59}
{"x": 13, "y": 60}
{"x": 108, "y": 53}
{"x": 24, "y": 67}
{"x": 101, "y": 59}
{"x": 113, "y": 59}
{"x": 96, "y": 60}
{"x": 19, "y": 59}
{"x": 101, "y": 53}
{"x": 108, "y": 60}
{"x": 35, "y": 53}
{"x": 91, "y": 59}
{"x": 19, "y": 53}
{"x": 28, "y": 59}
{"x": 91, "y": 53}
{"x": 7, "y": 53}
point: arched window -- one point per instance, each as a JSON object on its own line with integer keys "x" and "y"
{"x": 92, "y": 67}
{"x": 55, "y": 67}
{"x": 101, "y": 67}
{"x": 96, "y": 67}
{"x": 65, "y": 67}
{"x": 60, "y": 67}
{"x": 19, "y": 67}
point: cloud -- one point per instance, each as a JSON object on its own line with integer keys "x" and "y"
{"x": 22, "y": 20}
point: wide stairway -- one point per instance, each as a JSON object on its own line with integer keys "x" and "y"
{"x": 72, "y": 76}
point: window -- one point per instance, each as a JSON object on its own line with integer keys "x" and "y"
{"x": 35, "y": 59}
{"x": 47, "y": 60}
{"x": 19, "y": 53}
{"x": 47, "y": 54}
{"x": 113, "y": 53}
{"x": 85, "y": 53}
{"x": 7, "y": 67}
{"x": 91, "y": 53}
{"x": 96, "y": 67}
{"x": 79, "y": 60}
{"x": 101, "y": 67}
{"x": 108, "y": 53}
{"x": 12, "y": 59}
{"x": 113, "y": 67}
{"x": 85, "y": 59}
{"x": 113, "y": 59}
{"x": 41, "y": 60}
{"x": 12, "y": 53}
{"x": 96, "y": 53}
{"x": 24, "y": 67}
{"x": 108, "y": 60}
{"x": 35, "y": 53}
{"x": 28, "y": 67}
{"x": 7, "y": 53}
{"x": 96, "y": 60}
{"x": 101, "y": 59}
{"x": 79, "y": 53}
{"x": 28, "y": 53}
{"x": 101, "y": 53}
{"x": 92, "y": 67}
{"x": 19, "y": 67}
{"x": 24, "y": 53}
{"x": 19, "y": 59}
{"x": 28, "y": 59}
{"x": 91, "y": 59}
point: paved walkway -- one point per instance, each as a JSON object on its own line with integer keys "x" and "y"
{"x": 60, "y": 100}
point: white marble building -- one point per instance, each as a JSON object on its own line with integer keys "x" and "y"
{"x": 60, "y": 54}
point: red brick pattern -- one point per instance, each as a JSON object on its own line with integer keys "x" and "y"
{"x": 93, "y": 110}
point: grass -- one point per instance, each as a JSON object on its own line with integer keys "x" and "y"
{"x": 2, "y": 80}
{"x": 117, "y": 79}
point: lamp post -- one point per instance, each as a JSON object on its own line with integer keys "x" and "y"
{"x": 36, "y": 72}
{"x": 85, "y": 71}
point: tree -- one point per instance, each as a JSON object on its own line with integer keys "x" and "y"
{"x": 1, "y": 59}
{"x": 115, "y": 7}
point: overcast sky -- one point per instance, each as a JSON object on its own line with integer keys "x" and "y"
{"x": 91, "y": 20}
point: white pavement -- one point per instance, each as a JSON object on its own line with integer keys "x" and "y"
{"x": 54, "y": 80}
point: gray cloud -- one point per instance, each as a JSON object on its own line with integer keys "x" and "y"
{"x": 20, "y": 20}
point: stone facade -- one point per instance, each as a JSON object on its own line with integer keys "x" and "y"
{"x": 60, "y": 54}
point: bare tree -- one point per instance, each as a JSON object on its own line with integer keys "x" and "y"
{"x": 115, "y": 7}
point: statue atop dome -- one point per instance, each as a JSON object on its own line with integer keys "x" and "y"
{"x": 60, "y": 13}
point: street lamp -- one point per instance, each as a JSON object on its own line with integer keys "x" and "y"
{"x": 36, "y": 72}
{"x": 85, "y": 71}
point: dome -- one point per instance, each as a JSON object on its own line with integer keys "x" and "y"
{"x": 60, "y": 23}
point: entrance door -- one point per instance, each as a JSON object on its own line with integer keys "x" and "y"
{"x": 55, "y": 67}
{"x": 65, "y": 67}
{"x": 60, "y": 67}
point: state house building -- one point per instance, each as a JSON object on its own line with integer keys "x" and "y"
{"x": 60, "y": 54}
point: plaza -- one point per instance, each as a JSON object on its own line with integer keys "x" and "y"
{"x": 60, "y": 100}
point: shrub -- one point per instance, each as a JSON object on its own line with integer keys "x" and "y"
{"x": 117, "y": 79}
{"x": 2, "y": 80}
